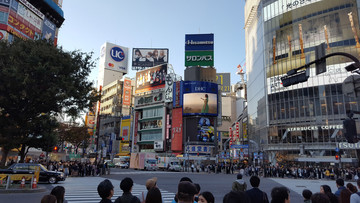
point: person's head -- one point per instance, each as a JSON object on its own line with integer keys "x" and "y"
{"x": 352, "y": 188}
{"x": 153, "y": 196}
{"x": 105, "y": 189}
{"x": 137, "y": 52}
{"x": 48, "y": 199}
{"x": 340, "y": 182}
{"x": 319, "y": 198}
{"x": 306, "y": 194}
{"x": 206, "y": 197}
{"x": 345, "y": 195}
{"x": 239, "y": 176}
{"x": 198, "y": 188}
{"x": 185, "y": 179}
{"x": 255, "y": 181}
{"x": 234, "y": 197}
{"x": 155, "y": 53}
{"x": 325, "y": 189}
{"x": 59, "y": 193}
{"x": 150, "y": 183}
{"x": 126, "y": 184}
{"x": 280, "y": 195}
{"x": 206, "y": 95}
{"x": 186, "y": 191}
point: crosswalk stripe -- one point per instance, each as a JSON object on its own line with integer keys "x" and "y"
{"x": 84, "y": 189}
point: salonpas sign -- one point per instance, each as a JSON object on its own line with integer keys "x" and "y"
{"x": 199, "y": 50}
{"x": 315, "y": 127}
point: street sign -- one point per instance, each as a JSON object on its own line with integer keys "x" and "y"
{"x": 239, "y": 146}
{"x": 337, "y": 149}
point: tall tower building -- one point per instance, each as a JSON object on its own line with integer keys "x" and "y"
{"x": 300, "y": 123}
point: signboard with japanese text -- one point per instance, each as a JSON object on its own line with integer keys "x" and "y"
{"x": 169, "y": 81}
{"x": 178, "y": 94}
{"x": 127, "y": 92}
{"x": 21, "y": 26}
{"x": 223, "y": 79}
{"x": 177, "y": 130}
{"x": 125, "y": 128}
{"x": 151, "y": 79}
{"x": 199, "y": 50}
{"x": 201, "y": 149}
{"x": 148, "y": 57}
{"x": 149, "y": 99}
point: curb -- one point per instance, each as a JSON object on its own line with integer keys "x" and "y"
{"x": 39, "y": 189}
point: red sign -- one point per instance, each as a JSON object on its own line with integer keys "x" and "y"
{"x": 136, "y": 126}
{"x": 176, "y": 130}
{"x": 21, "y": 27}
{"x": 127, "y": 92}
{"x": 237, "y": 129}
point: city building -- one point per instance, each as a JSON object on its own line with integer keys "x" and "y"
{"x": 116, "y": 103}
{"x": 304, "y": 122}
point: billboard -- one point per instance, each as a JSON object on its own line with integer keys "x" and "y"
{"x": 169, "y": 88}
{"x": 127, "y": 92}
{"x": 148, "y": 57}
{"x": 48, "y": 31}
{"x": 223, "y": 79}
{"x": 114, "y": 57}
{"x": 200, "y": 98}
{"x": 151, "y": 79}
{"x": 176, "y": 130}
{"x": 125, "y": 128}
{"x": 177, "y": 94}
{"x": 200, "y": 129}
{"x": 199, "y": 50}
{"x": 20, "y": 25}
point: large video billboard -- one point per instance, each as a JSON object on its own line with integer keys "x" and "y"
{"x": 200, "y": 98}
{"x": 148, "y": 57}
{"x": 151, "y": 79}
{"x": 199, "y": 50}
{"x": 114, "y": 57}
{"x": 200, "y": 129}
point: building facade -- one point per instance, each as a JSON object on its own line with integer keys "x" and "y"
{"x": 303, "y": 122}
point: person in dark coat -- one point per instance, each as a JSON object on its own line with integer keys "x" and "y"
{"x": 255, "y": 194}
{"x": 126, "y": 186}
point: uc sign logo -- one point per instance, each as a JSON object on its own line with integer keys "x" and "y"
{"x": 117, "y": 54}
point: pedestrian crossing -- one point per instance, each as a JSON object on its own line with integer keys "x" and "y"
{"x": 84, "y": 189}
{"x": 141, "y": 172}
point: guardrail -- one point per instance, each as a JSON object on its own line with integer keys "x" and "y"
{"x": 7, "y": 179}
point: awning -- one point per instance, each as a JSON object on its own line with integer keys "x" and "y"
{"x": 123, "y": 154}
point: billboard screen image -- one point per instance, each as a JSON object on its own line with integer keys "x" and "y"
{"x": 200, "y": 98}
{"x": 151, "y": 79}
{"x": 200, "y": 129}
{"x": 148, "y": 57}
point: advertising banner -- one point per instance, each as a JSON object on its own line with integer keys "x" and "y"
{"x": 202, "y": 149}
{"x": 178, "y": 94}
{"x": 148, "y": 57}
{"x": 114, "y": 57}
{"x": 200, "y": 98}
{"x": 29, "y": 16}
{"x": 136, "y": 124}
{"x": 127, "y": 92}
{"x": 177, "y": 129}
{"x": 151, "y": 79}
{"x": 200, "y": 129}
{"x": 223, "y": 79}
{"x": 199, "y": 50}
{"x": 32, "y": 8}
{"x": 20, "y": 26}
{"x": 149, "y": 99}
{"x": 90, "y": 122}
{"x": 48, "y": 31}
{"x": 169, "y": 80}
{"x": 125, "y": 128}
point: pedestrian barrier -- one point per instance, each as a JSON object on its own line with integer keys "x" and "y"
{"x": 7, "y": 180}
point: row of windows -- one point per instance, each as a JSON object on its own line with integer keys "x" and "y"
{"x": 152, "y": 112}
{"x": 3, "y": 17}
{"x": 306, "y": 106}
{"x": 151, "y": 135}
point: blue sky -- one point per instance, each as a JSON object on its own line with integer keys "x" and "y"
{"x": 156, "y": 24}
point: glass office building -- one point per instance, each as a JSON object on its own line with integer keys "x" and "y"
{"x": 300, "y": 123}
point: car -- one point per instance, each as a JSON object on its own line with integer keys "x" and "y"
{"x": 29, "y": 168}
{"x": 122, "y": 164}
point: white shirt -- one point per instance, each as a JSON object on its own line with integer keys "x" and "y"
{"x": 355, "y": 198}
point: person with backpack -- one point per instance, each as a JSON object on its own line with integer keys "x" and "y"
{"x": 239, "y": 185}
{"x": 126, "y": 186}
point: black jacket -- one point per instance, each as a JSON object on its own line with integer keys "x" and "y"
{"x": 256, "y": 195}
{"x": 127, "y": 197}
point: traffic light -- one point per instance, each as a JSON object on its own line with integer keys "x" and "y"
{"x": 337, "y": 156}
{"x": 349, "y": 130}
{"x": 55, "y": 149}
{"x": 295, "y": 78}
{"x": 319, "y": 53}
